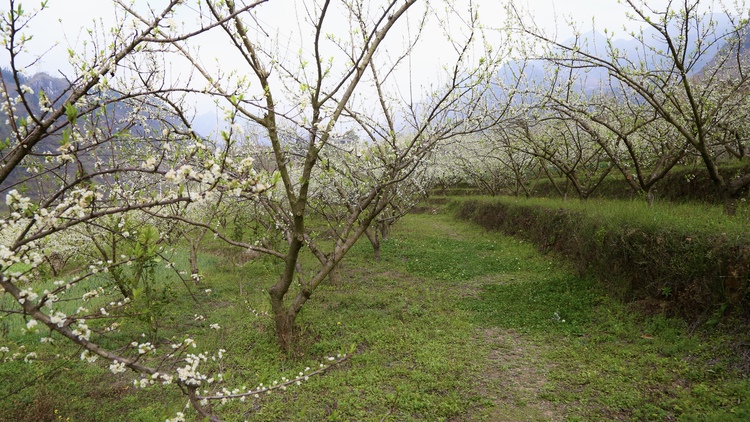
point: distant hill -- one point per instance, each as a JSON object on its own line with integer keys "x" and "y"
{"x": 56, "y": 89}
{"x": 53, "y": 88}
{"x": 730, "y": 69}
{"x": 207, "y": 124}
{"x": 596, "y": 42}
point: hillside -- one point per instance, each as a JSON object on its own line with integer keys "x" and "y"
{"x": 590, "y": 79}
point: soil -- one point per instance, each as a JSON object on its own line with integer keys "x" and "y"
{"x": 515, "y": 379}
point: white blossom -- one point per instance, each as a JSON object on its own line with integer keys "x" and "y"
{"x": 89, "y": 357}
{"x": 117, "y": 367}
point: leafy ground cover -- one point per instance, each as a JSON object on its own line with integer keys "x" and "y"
{"x": 453, "y": 323}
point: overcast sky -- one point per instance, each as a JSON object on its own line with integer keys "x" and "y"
{"x": 65, "y": 22}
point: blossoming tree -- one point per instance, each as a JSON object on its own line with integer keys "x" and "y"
{"x": 687, "y": 66}
{"x": 110, "y": 154}
{"x": 341, "y": 78}
{"x": 84, "y": 155}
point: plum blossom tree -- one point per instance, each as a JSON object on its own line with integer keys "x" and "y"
{"x": 114, "y": 145}
{"x": 341, "y": 78}
{"x": 687, "y": 68}
{"x": 565, "y": 148}
{"x": 642, "y": 147}
{"x": 83, "y": 156}
{"x": 494, "y": 162}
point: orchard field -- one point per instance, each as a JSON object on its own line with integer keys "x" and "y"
{"x": 374, "y": 210}
{"x": 452, "y": 323}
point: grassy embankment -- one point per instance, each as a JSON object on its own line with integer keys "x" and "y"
{"x": 691, "y": 260}
{"x": 454, "y": 323}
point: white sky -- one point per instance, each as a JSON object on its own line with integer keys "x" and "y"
{"x": 65, "y": 22}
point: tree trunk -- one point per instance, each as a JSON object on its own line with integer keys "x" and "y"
{"x": 736, "y": 189}
{"x": 286, "y": 332}
{"x": 385, "y": 230}
{"x": 650, "y": 196}
{"x": 334, "y": 277}
{"x": 372, "y": 235}
{"x": 283, "y": 316}
{"x": 193, "y": 258}
{"x": 194, "y": 261}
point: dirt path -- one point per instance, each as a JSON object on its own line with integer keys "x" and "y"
{"x": 515, "y": 373}
{"x": 515, "y": 379}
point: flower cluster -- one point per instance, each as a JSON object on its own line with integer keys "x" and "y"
{"x": 224, "y": 395}
{"x": 189, "y": 374}
{"x": 117, "y": 367}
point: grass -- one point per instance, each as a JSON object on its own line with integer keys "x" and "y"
{"x": 453, "y": 323}
{"x": 692, "y": 259}
{"x": 699, "y": 218}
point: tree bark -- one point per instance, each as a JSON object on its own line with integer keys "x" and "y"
{"x": 650, "y": 196}
{"x": 286, "y": 332}
{"x": 334, "y": 277}
{"x": 372, "y": 235}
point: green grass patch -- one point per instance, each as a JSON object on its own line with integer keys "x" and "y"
{"x": 692, "y": 258}
{"x": 607, "y": 360}
{"x": 453, "y": 323}
{"x": 697, "y": 218}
